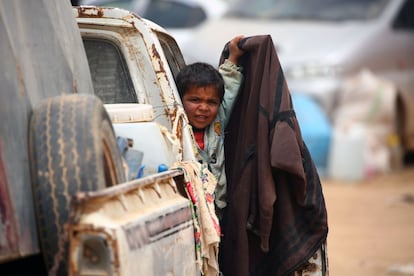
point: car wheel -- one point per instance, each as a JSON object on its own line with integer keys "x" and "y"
{"x": 72, "y": 148}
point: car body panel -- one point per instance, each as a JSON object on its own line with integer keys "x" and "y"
{"x": 152, "y": 66}
{"x": 143, "y": 227}
{"x": 26, "y": 62}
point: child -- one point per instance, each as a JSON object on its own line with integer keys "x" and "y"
{"x": 208, "y": 96}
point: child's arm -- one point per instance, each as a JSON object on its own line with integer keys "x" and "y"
{"x": 234, "y": 51}
{"x": 232, "y": 75}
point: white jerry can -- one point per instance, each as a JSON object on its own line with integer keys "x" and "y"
{"x": 347, "y": 158}
{"x": 157, "y": 145}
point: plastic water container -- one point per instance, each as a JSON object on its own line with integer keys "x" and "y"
{"x": 347, "y": 155}
{"x": 134, "y": 121}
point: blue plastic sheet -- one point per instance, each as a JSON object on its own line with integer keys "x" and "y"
{"x": 316, "y": 129}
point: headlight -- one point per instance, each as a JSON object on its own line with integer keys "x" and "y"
{"x": 94, "y": 256}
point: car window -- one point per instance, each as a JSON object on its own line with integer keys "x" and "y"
{"x": 172, "y": 53}
{"x": 170, "y": 14}
{"x": 332, "y": 10}
{"x": 110, "y": 76}
{"x": 405, "y": 17}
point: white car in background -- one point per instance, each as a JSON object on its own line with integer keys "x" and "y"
{"x": 322, "y": 42}
{"x": 179, "y": 17}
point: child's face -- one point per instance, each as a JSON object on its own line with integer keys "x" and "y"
{"x": 201, "y": 105}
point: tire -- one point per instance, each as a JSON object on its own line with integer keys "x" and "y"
{"x": 72, "y": 148}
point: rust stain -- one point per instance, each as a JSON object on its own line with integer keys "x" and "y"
{"x": 156, "y": 55}
{"x": 8, "y": 222}
{"x": 117, "y": 263}
{"x": 161, "y": 73}
{"x": 91, "y": 12}
{"x": 74, "y": 243}
{"x": 174, "y": 115}
{"x": 125, "y": 34}
{"x": 130, "y": 18}
{"x": 75, "y": 86}
{"x": 20, "y": 78}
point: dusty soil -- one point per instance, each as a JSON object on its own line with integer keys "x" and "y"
{"x": 371, "y": 225}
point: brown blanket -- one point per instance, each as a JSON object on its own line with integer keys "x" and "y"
{"x": 276, "y": 217}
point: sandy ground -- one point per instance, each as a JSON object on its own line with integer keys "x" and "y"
{"x": 371, "y": 225}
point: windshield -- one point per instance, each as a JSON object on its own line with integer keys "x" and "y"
{"x": 332, "y": 10}
{"x": 171, "y": 14}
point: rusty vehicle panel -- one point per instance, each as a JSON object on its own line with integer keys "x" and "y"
{"x": 153, "y": 223}
{"x": 8, "y": 232}
{"x": 143, "y": 227}
{"x": 30, "y": 49}
{"x": 45, "y": 55}
{"x": 151, "y": 60}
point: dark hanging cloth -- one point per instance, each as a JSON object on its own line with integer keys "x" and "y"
{"x": 276, "y": 216}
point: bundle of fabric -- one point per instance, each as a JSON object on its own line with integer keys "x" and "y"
{"x": 200, "y": 184}
{"x": 276, "y": 217}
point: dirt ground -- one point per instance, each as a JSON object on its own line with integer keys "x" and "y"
{"x": 371, "y": 225}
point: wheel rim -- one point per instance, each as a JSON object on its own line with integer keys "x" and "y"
{"x": 111, "y": 177}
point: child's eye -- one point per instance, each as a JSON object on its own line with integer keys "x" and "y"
{"x": 213, "y": 103}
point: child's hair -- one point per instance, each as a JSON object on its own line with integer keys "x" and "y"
{"x": 199, "y": 74}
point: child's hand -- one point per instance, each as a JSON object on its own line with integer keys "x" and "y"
{"x": 234, "y": 51}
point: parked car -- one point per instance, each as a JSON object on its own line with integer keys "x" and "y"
{"x": 55, "y": 136}
{"x": 59, "y": 150}
{"x": 136, "y": 6}
{"x": 322, "y": 42}
{"x": 179, "y": 17}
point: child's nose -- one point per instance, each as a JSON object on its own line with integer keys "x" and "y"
{"x": 203, "y": 106}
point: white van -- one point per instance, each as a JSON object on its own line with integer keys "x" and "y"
{"x": 321, "y": 42}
